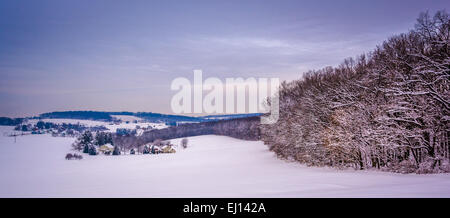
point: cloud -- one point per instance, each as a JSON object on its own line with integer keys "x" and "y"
{"x": 249, "y": 42}
{"x": 276, "y": 46}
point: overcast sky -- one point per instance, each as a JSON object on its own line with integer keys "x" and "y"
{"x": 123, "y": 55}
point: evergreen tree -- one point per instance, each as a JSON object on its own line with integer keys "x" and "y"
{"x": 116, "y": 151}
{"x": 86, "y": 138}
{"x": 40, "y": 125}
{"x": 92, "y": 150}
{"x": 86, "y": 149}
{"x": 146, "y": 150}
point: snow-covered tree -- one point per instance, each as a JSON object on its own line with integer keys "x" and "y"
{"x": 388, "y": 109}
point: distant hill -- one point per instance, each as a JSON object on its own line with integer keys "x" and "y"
{"x": 156, "y": 117}
{"x": 148, "y": 116}
{"x": 108, "y": 117}
{"x": 6, "y": 121}
{"x": 82, "y": 115}
{"x": 229, "y": 116}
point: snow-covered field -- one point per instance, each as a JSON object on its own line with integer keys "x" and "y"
{"x": 127, "y": 118}
{"x": 110, "y": 126}
{"x": 212, "y": 166}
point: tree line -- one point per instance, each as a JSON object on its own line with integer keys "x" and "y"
{"x": 388, "y": 109}
{"x": 242, "y": 128}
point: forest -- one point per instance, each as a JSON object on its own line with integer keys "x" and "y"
{"x": 246, "y": 128}
{"x": 82, "y": 115}
{"x": 388, "y": 109}
{"x": 6, "y": 121}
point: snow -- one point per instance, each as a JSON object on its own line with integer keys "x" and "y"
{"x": 211, "y": 166}
{"x": 109, "y": 146}
{"x": 110, "y": 126}
{"x": 113, "y": 127}
{"x": 127, "y": 118}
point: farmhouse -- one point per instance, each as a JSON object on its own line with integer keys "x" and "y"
{"x": 106, "y": 149}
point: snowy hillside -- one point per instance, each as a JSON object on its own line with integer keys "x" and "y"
{"x": 112, "y": 127}
{"x": 212, "y": 166}
{"x": 127, "y": 118}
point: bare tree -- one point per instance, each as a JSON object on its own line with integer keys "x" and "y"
{"x": 184, "y": 142}
{"x": 385, "y": 110}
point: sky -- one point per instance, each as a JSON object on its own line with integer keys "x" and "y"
{"x": 123, "y": 55}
